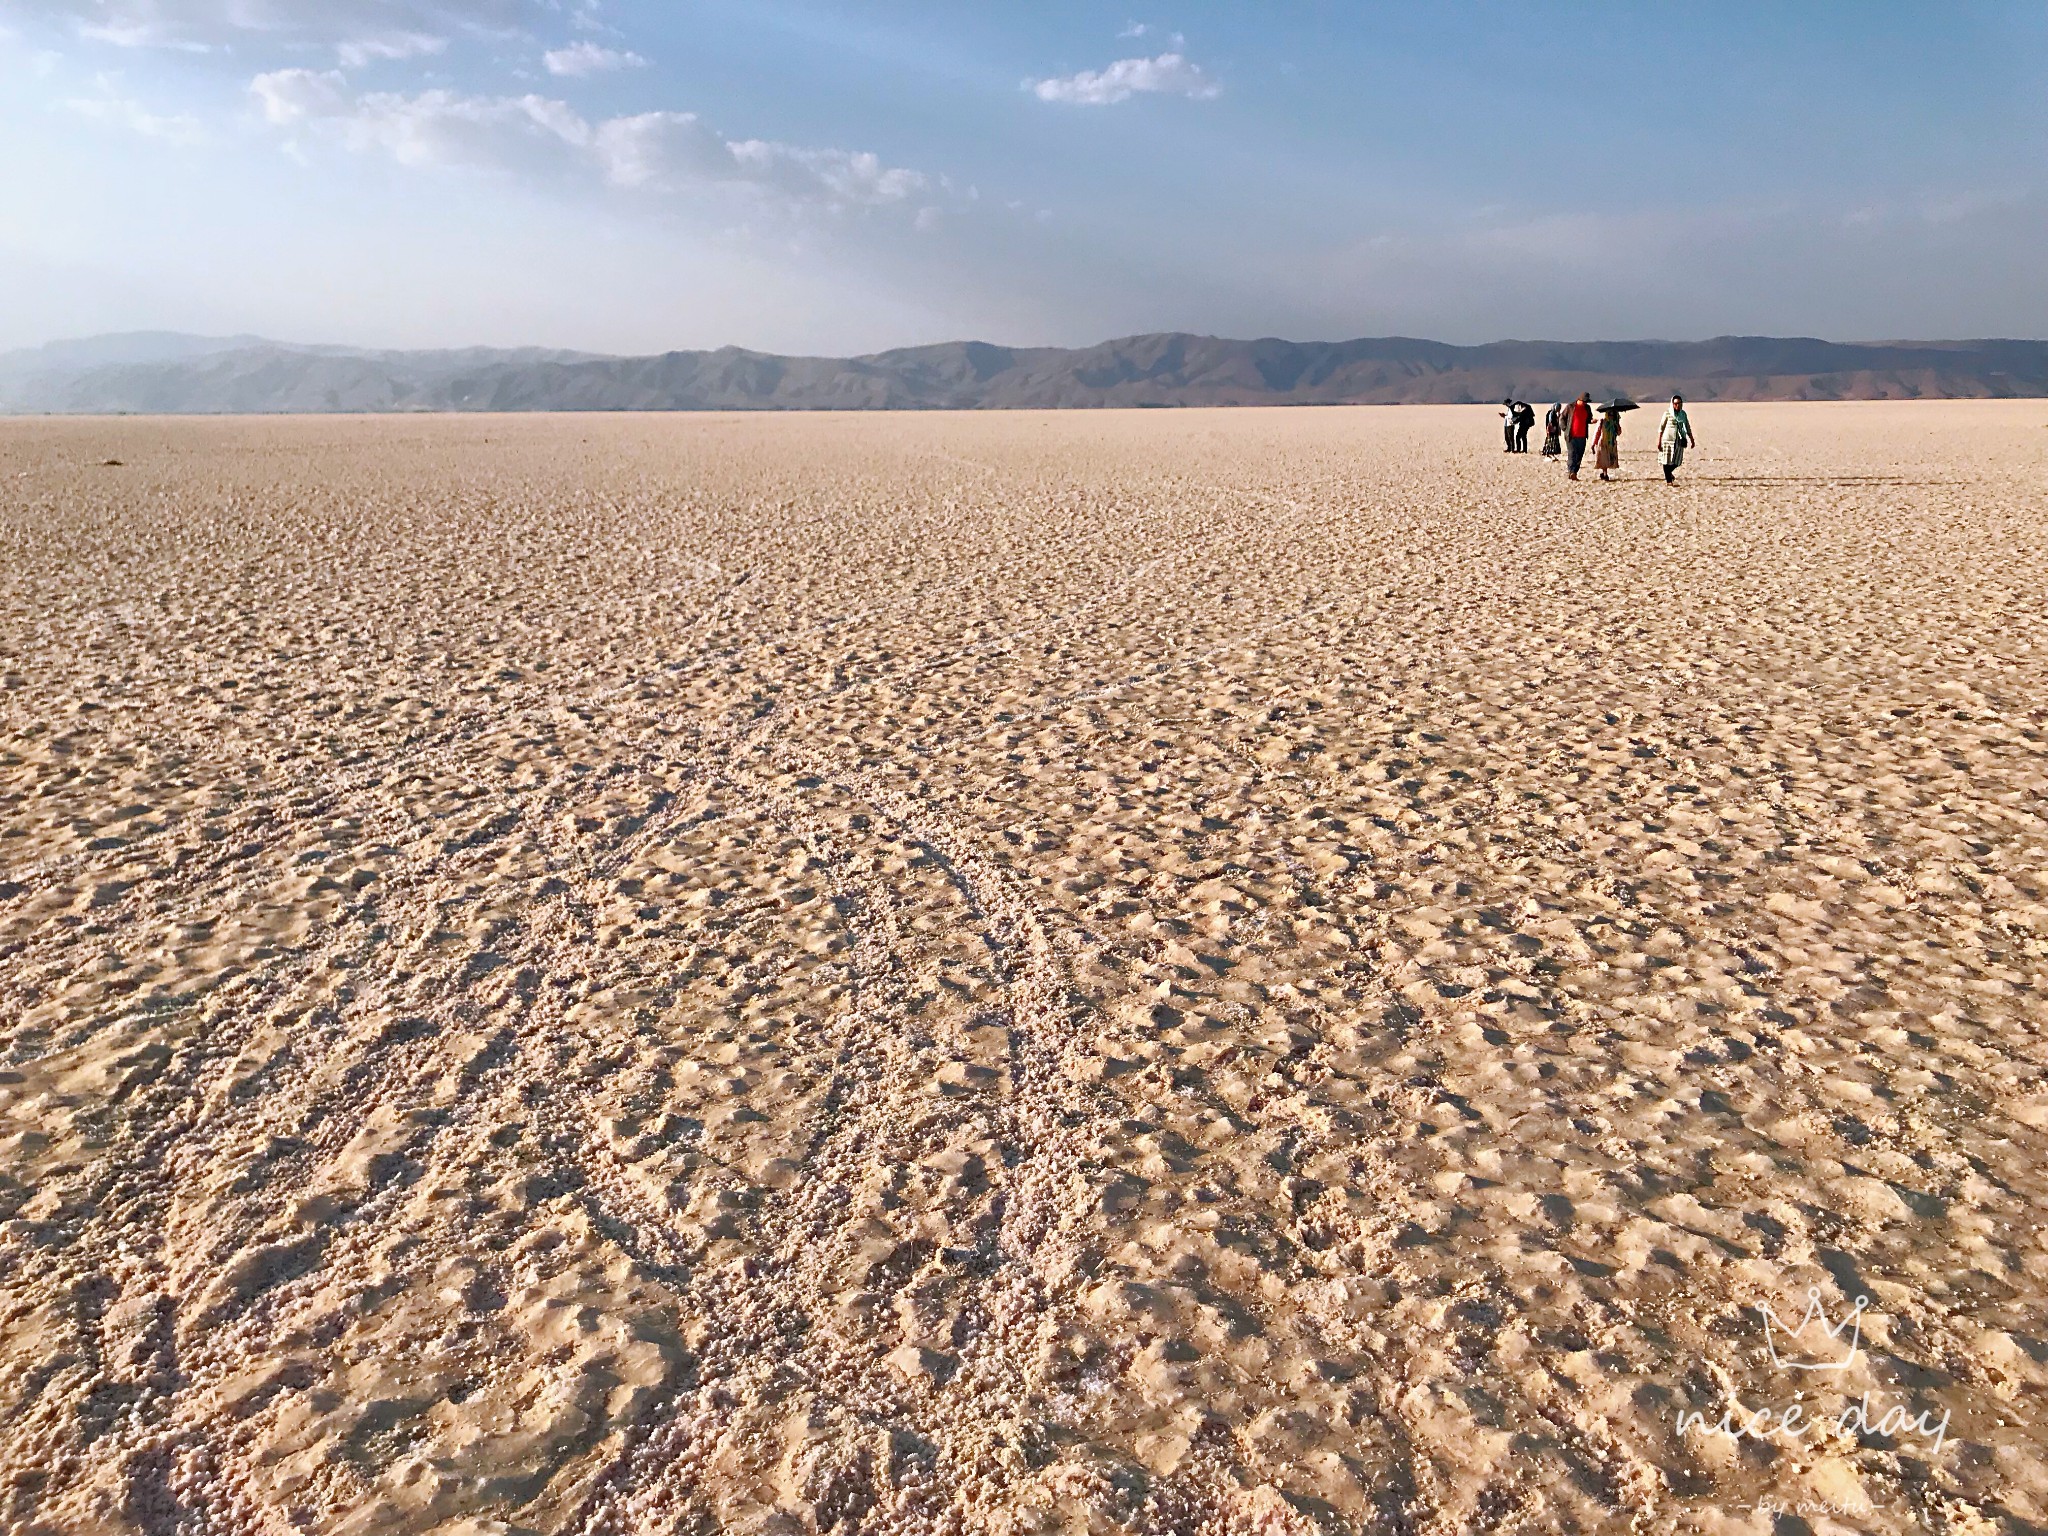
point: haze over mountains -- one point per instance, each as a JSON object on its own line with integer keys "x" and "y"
{"x": 163, "y": 372}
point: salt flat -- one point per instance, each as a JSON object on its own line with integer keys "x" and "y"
{"x": 1208, "y": 971}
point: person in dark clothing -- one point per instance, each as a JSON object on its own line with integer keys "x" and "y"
{"x": 1578, "y": 425}
{"x": 1553, "y": 429}
{"x": 1525, "y": 418}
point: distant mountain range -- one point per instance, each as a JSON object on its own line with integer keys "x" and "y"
{"x": 174, "y": 374}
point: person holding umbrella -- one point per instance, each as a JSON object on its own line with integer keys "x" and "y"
{"x": 1674, "y": 436}
{"x": 1607, "y": 441}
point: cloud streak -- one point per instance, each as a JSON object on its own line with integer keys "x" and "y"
{"x": 668, "y": 152}
{"x": 358, "y": 30}
{"x": 355, "y": 52}
{"x": 580, "y": 60}
{"x": 1169, "y": 74}
{"x": 112, "y": 107}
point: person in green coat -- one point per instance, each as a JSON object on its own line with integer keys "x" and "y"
{"x": 1674, "y": 436}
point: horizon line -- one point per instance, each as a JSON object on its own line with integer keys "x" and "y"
{"x": 253, "y": 339}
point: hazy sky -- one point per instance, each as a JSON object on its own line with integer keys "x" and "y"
{"x": 626, "y": 175}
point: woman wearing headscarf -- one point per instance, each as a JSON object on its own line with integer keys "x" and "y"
{"x": 1674, "y": 436}
{"x": 1607, "y": 441}
{"x": 1553, "y": 428}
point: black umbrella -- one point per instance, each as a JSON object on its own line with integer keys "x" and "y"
{"x": 1620, "y": 403}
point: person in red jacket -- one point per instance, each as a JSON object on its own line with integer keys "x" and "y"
{"x": 1578, "y": 425}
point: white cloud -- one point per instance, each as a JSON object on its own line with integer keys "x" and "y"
{"x": 668, "y": 152}
{"x": 580, "y": 60}
{"x": 433, "y": 128}
{"x": 1175, "y": 41}
{"x": 671, "y": 151}
{"x": 357, "y": 51}
{"x": 658, "y": 149}
{"x": 1170, "y": 74}
{"x": 290, "y": 96}
{"x": 359, "y": 30}
{"x": 111, "y": 106}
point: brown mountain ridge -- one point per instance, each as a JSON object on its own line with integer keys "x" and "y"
{"x": 177, "y": 375}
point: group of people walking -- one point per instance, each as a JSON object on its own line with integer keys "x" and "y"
{"x": 1568, "y": 428}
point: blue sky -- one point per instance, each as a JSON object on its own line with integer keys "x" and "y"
{"x": 801, "y": 176}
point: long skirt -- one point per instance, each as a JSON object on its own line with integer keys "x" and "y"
{"x": 1607, "y": 453}
{"x": 1674, "y": 453}
{"x": 1550, "y": 448}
